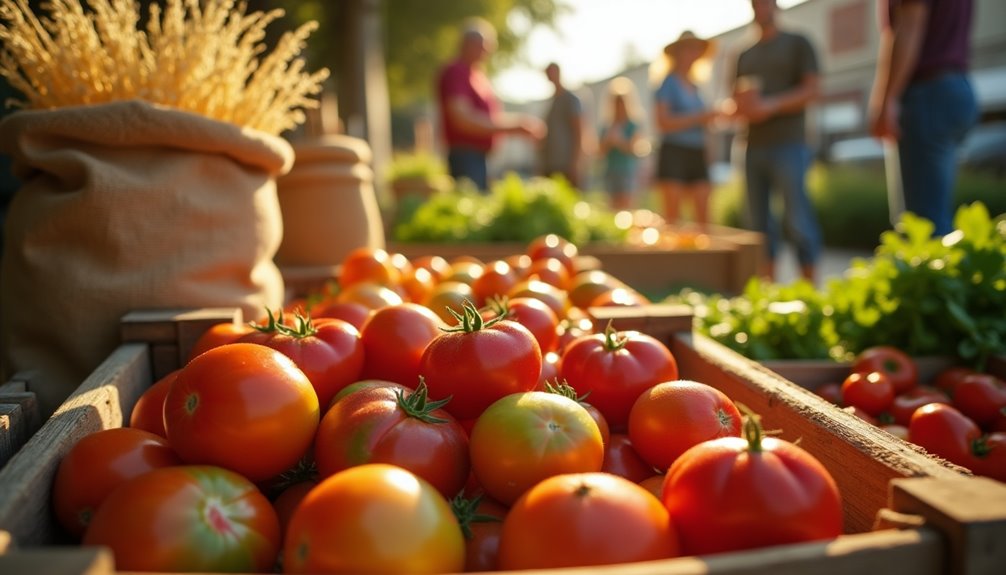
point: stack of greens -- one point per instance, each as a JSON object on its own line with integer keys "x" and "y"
{"x": 927, "y": 296}
{"x": 514, "y": 210}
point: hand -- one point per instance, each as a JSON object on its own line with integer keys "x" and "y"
{"x": 884, "y": 121}
{"x": 530, "y": 127}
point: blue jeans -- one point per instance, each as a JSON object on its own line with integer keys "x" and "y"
{"x": 470, "y": 164}
{"x": 782, "y": 167}
{"x": 935, "y": 116}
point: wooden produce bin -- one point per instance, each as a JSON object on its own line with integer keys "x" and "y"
{"x": 725, "y": 266}
{"x": 905, "y": 512}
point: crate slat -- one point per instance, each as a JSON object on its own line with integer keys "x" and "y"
{"x": 104, "y": 400}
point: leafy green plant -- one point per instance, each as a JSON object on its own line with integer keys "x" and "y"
{"x": 768, "y": 321}
{"x": 925, "y": 295}
{"x": 929, "y": 295}
{"x": 515, "y": 210}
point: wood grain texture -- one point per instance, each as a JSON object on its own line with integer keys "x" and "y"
{"x": 971, "y": 514}
{"x": 104, "y": 400}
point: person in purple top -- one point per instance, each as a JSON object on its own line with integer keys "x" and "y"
{"x": 922, "y": 99}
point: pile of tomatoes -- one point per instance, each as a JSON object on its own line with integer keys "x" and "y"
{"x": 960, "y": 416}
{"x": 434, "y": 417}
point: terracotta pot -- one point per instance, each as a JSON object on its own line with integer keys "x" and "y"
{"x": 328, "y": 203}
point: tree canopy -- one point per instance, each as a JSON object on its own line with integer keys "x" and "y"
{"x": 420, "y": 35}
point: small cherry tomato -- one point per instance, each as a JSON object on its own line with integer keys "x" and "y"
{"x": 898, "y": 366}
{"x": 870, "y": 391}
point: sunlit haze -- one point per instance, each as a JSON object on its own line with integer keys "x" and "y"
{"x": 596, "y": 38}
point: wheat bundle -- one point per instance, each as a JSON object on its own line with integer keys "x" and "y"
{"x": 205, "y": 57}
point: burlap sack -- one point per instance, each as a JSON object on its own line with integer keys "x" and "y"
{"x": 128, "y": 206}
{"x": 328, "y": 202}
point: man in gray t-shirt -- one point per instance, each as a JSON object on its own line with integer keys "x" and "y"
{"x": 561, "y": 151}
{"x": 776, "y": 79}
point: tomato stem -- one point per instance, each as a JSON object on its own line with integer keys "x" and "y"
{"x": 613, "y": 339}
{"x": 752, "y": 428}
{"x": 466, "y": 510}
{"x": 417, "y": 403}
{"x": 469, "y": 320}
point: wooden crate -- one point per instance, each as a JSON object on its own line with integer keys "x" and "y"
{"x": 930, "y": 517}
{"x": 731, "y": 259}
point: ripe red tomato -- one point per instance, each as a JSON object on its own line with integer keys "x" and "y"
{"x": 622, "y": 459}
{"x": 549, "y": 270}
{"x": 989, "y": 453}
{"x": 348, "y": 311}
{"x": 554, "y": 246}
{"x": 385, "y": 424}
{"x": 328, "y": 351}
{"x": 289, "y": 499}
{"x": 418, "y": 284}
{"x": 672, "y": 417}
{"x": 897, "y": 365}
{"x": 148, "y": 412}
{"x": 478, "y": 362}
{"x": 980, "y": 396}
{"x": 549, "y": 369}
{"x": 905, "y": 404}
{"x": 366, "y": 264}
{"x": 481, "y": 521}
{"x": 552, "y": 296}
{"x": 188, "y": 518}
{"x": 394, "y": 338}
{"x": 374, "y": 518}
{"x": 242, "y": 406}
{"x": 496, "y": 280}
{"x": 620, "y": 296}
{"x": 944, "y": 431}
{"x": 585, "y": 519}
{"x": 948, "y": 378}
{"x": 99, "y": 463}
{"x": 745, "y": 492}
{"x": 870, "y": 391}
{"x": 369, "y": 294}
{"x": 438, "y": 267}
{"x": 525, "y": 437}
{"x": 537, "y": 317}
{"x": 217, "y": 335}
{"x": 615, "y": 368}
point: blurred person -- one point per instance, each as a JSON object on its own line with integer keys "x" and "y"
{"x": 471, "y": 115}
{"x": 776, "y": 78}
{"x": 681, "y": 119}
{"x": 923, "y": 101}
{"x": 621, "y": 143}
{"x": 561, "y": 151}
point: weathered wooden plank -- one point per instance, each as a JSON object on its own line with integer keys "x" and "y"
{"x": 58, "y": 561}
{"x": 970, "y": 512}
{"x": 102, "y": 401}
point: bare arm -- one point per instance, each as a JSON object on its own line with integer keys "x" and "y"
{"x": 668, "y": 121}
{"x": 473, "y": 121}
{"x": 896, "y": 59}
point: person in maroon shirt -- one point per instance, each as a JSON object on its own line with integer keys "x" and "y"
{"x": 922, "y": 99}
{"x": 471, "y": 116}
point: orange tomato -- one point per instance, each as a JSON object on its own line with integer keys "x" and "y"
{"x": 585, "y": 519}
{"x": 374, "y": 518}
